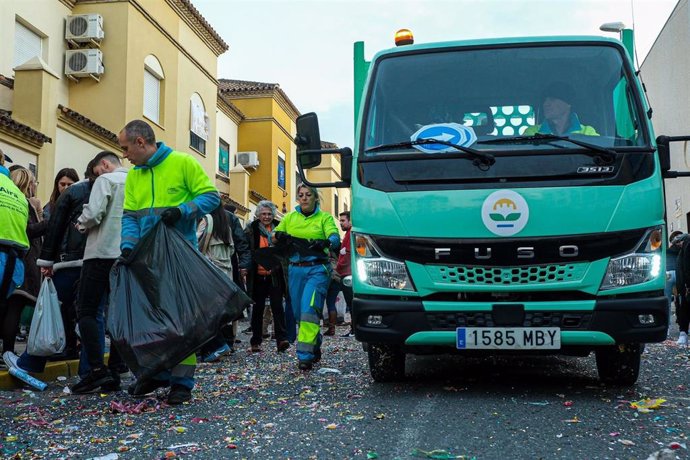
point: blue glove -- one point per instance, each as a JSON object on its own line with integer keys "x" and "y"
{"x": 171, "y": 215}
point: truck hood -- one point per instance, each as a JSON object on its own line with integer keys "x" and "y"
{"x": 518, "y": 212}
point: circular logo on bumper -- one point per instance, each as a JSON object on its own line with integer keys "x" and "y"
{"x": 505, "y": 212}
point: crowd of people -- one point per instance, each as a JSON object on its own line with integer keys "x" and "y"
{"x": 89, "y": 226}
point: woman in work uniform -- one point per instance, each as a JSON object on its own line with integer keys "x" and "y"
{"x": 309, "y": 269}
{"x": 14, "y": 242}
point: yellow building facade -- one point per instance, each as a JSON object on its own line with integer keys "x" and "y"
{"x": 267, "y": 151}
{"x": 137, "y": 59}
{"x": 265, "y": 140}
{"x": 74, "y": 72}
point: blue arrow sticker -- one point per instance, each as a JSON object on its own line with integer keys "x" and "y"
{"x": 455, "y": 133}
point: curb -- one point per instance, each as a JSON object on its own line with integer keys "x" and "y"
{"x": 53, "y": 370}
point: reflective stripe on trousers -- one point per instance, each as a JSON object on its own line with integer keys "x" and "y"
{"x": 308, "y": 286}
{"x": 182, "y": 374}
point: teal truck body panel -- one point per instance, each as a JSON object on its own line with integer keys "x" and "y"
{"x": 507, "y": 196}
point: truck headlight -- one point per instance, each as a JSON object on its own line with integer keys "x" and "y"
{"x": 375, "y": 269}
{"x": 639, "y": 266}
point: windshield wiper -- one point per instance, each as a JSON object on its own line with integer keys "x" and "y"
{"x": 606, "y": 154}
{"x": 480, "y": 158}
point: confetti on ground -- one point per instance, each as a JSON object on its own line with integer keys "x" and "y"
{"x": 647, "y": 404}
{"x": 261, "y": 406}
{"x": 437, "y": 454}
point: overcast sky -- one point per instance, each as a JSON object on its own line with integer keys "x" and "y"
{"x": 306, "y": 45}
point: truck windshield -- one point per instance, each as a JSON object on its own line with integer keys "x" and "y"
{"x": 501, "y": 98}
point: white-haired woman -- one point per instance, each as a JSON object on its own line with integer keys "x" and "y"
{"x": 309, "y": 270}
{"x": 265, "y": 282}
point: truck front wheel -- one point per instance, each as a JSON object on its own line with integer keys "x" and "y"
{"x": 619, "y": 364}
{"x": 386, "y": 362}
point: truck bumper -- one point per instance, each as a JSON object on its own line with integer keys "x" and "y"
{"x": 610, "y": 321}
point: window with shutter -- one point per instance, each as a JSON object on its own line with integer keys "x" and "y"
{"x": 152, "y": 96}
{"x": 153, "y": 88}
{"x": 27, "y": 44}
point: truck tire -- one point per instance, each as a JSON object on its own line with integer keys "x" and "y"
{"x": 619, "y": 364}
{"x": 386, "y": 362}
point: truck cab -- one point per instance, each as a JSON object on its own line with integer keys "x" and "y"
{"x": 507, "y": 197}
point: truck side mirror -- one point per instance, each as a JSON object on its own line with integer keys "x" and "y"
{"x": 662, "y": 149}
{"x": 346, "y": 165}
{"x": 664, "y": 152}
{"x": 308, "y": 140}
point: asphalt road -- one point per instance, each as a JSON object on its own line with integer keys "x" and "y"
{"x": 260, "y": 406}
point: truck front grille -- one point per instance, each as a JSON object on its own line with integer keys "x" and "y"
{"x": 528, "y": 274}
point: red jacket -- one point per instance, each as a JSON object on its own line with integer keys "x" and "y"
{"x": 343, "y": 267}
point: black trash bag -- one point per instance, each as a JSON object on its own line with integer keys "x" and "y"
{"x": 272, "y": 256}
{"x": 167, "y": 301}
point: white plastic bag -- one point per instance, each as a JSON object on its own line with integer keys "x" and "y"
{"x": 341, "y": 305}
{"x": 47, "y": 335}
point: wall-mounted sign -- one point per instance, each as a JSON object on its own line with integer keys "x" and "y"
{"x": 199, "y": 123}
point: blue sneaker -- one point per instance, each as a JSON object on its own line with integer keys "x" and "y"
{"x": 216, "y": 355}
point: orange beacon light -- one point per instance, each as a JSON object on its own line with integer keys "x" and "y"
{"x": 404, "y": 37}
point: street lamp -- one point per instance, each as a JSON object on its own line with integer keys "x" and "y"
{"x": 612, "y": 27}
{"x": 626, "y": 36}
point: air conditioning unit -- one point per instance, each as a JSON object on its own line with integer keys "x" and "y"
{"x": 84, "y": 63}
{"x": 248, "y": 159}
{"x": 83, "y": 28}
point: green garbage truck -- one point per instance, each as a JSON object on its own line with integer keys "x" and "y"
{"x": 507, "y": 197}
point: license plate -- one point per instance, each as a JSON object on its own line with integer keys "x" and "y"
{"x": 508, "y": 338}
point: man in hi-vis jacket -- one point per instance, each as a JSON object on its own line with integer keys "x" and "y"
{"x": 170, "y": 186}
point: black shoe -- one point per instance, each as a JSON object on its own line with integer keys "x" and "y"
{"x": 179, "y": 394}
{"x": 146, "y": 387}
{"x": 350, "y": 333}
{"x": 305, "y": 365}
{"x": 92, "y": 381}
{"x": 119, "y": 369}
{"x": 317, "y": 355}
{"x": 266, "y": 336}
{"x": 66, "y": 355}
{"x": 247, "y": 331}
{"x": 283, "y": 345}
{"x": 115, "y": 386}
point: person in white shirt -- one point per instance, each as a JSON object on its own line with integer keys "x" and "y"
{"x": 102, "y": 219}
